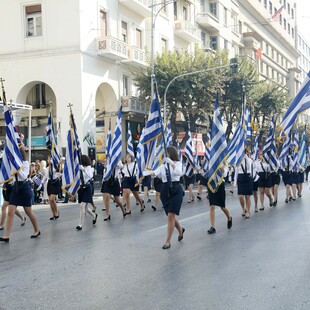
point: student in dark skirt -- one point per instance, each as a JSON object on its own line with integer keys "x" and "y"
{"x": 264, "y": 181}
{"x": 130, "y": 171}
{"x": 218, "y": 199}
{"x": 85, "y": 191}
{"x": 7, "y": 191}
{"x": 244, "y": 178}
{"x": 201, "y": 179}
{"x": 171, "y": 197}
{"x": 146, "y": 186}
{"x": 53, "y": 186}
{"x": 21, "y": 196}
{"x": 189, "y": 184}
{"x": 110, "y": 188}
{"x": 287, "y": 179}
{"x": 157, "y": 186}
{"x": 275, "y": 182}
{"x": 301, "y": 179}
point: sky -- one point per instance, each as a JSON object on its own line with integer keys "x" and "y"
{"x": 303, "y": 18}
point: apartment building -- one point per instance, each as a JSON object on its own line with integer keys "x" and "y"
{"x": 81, "y": 52}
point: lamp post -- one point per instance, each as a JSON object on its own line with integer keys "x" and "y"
{"x": 233, "y": 64}
{"x": 164, "y": 4}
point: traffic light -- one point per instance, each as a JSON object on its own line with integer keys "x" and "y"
{"x": 234, "y": 65}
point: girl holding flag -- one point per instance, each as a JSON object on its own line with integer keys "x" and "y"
{"x": 21, "y": 196}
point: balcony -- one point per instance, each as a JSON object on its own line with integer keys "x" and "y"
{"x": 208, "y": 20}
{"x": 136, "y": 57}
{"x": 140, "y": 7}
{"x": 186, "y": 31}
{"x": 133, "y": 104}
{"x": 112, "y": 48}
{"x": 251, "y": 39}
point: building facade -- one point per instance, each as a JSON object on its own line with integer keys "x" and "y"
{"x": 81, "y": 52}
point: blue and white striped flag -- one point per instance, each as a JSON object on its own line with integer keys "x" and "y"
{"x": 108, "y": 143}
{"x": 294, "y": 147}
{"x": 233, "y": 144}
{"x": 269, "y": 140}
{"x": 302, "y": 151}
{"x": 51, "y": 141}
{"x": 241, "y": 144}
{"x": 13, "y": 153}
{"x": 218, "y": 151}
{"x": 283, "y": 158}
{"x": 116, "y": 148}
{"x": 189, "y": 155}
{"x": 5, "y": 170}
{"x": 168, "y": 134}
{"x": 247, "y": 119}
{"x": 300, "y": 103}
{"x": 256, "y": 149}
{"x": 159, "y": 155}
{"x": 130, "y": 150}
{"x": 273, "y": 161}
{"x": 179, "y": 151}
{"x": 71, "y": 175}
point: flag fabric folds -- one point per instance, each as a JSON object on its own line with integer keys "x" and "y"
{"x": 130, "y": 150}
{"x": 302, "y": 158}
{"x": 5, "y": 170}
{"x": 256, "y": 149}
{"x": 218, "y": 149}
{"x": 275, "y": 17}
{"x": 189, "y": 155}
{"x": 168, "y": 134}
{"x": 300, "y": 103}
{"x": 13, "y": 153}
{"x": 283, "y": 158}
{"x": 247, "y": 119}
{"x": 51, "y": 141}
{"x": 233, "y": 144}
{"x": 116, "y": 148}
{"x": 269, "y": 140}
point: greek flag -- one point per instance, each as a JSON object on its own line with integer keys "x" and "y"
{"x": 256, "y": 149}
{"x": 300, "y": 103}
{"x": 218, "y": 150}
{"x": 13, "y": 154}
{"x": 76, "y": 137}
{"x": 116, "y": 148}
{"x": 159, "y": 155}
{"x": 5, "y": 171}
{"x": 189, "y": 155}
{"x": 179, "y": 151}
{"x": 206, "y": 157}
{"x": 71, "y": 174}
{"x": 273, "y": 161}
{"x": 130, "y": 150}
{"x": 302, "y": 151}
{"x": 247, "y": 119}
{"x": 283, "y": 158}
{"x": 51, "y": 141}
{"x": 108, "y": 143}
{"x": 240, "y": 147}
{"x": 233, "y": 144}
{"x": 294, "y": 147}
{"x": 169, "y": 134}
{"x": 142, "y": 154}
{"x": 269, "y": 140}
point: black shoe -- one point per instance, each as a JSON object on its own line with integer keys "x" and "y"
{"x": 52, "y": 218}
{"x": 35, "y": 236}
{"x": 1, "y": 228}
{"x": 142, "y": 209}
{"x": 95, "y": 220}
{"x": 229, "y": 223}
{"x": 165, "y": 246}
{"x": 261, "y": 209}
{"x": 198, "y": 197}
{"x": 57, "y": 216}
{"x": 107, "y": 218}
{"x": 149, "y": 200}
{"x": 212, "y": 230}
{"x": 153, "y": 207}
{"x": 24, "y": 222}
{"x": 181, "y": 237}
{"x": 290, "y": 198}
{"x": 275, "y": 203}
{"x": 103, "y": 209}
{"x": 78, "y": 227}
{"x": 286, "y": 200}
{"x": 127, "y": 213}
{"x": 5, "y": 239}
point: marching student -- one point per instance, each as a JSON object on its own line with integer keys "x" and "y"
{"x": 218, "y": 199}
{"x": 264, "y": 181}
{"x": 130, "y": 171}
{"x": 301, "y": 179}
{"x": 21, "y": 196}
{"x": 244, "y": 181}
{"x": 275, "y": 182}
{"x": 146, "y": 186}
{"x": 189, "y": 184}
{"x": 85, "y": 191}
{"x": 112, "y": 187}
{"x": 7, "y": 191}
{"x": 171, "y": 197}
{"x": 202, "y": 181}
{"x": 287, "y": 179}
{"x": 157, "y": 186}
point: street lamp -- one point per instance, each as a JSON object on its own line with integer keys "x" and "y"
{"x": 233, "y": 65}
{"x": 164, "y": 4}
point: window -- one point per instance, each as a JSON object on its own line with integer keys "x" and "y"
{"x": 213, "y": 43}
{"x": 202, "y": 5}
{"x": 175, "y": 9}
{"x": 103, "y": 23}
{"x": 272, "y": 53}
{"x": 138, "y": 38}
{"x": 284, "y": 23}
{"x": 292, "y": 14}
{"x": 164, "y": 44}
{"x": 265, "y": 4}
{"x": 267, "y": 49}
{"x": 213, "y": 8}
{"x": 125, "y": 85}
{"x": 293, "y": 32}
{"x": 185, "y": 13}
{"x": 284, "y": 4}
{"x": 288, "y": 28}
{"x": 234, "y": 23}
{"x": 33, "y": 20}
{"x": 288, "y": 8}
{"x": 225, "y": 16}
{"x": 240, "y": 27}
{"x": 203, "y": 38}
{"x": 124, "y": 32}
{"x": 225, "y": 44}
{"x": 270, "y": 7}
{"x": 39, "y": 99}
{"x": 280, "y": 19}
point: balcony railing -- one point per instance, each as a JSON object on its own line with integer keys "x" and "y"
{"x": 187, "y": 31}
{"x": 141, "y": 7}
{"x": 137, "y": 56}
{"x": 208, "y": 20}
{"x": 133, "y": 104}
{"x": 112, "y": 48}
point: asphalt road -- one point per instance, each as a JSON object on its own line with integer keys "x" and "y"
{"x": 261, "y": 263}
